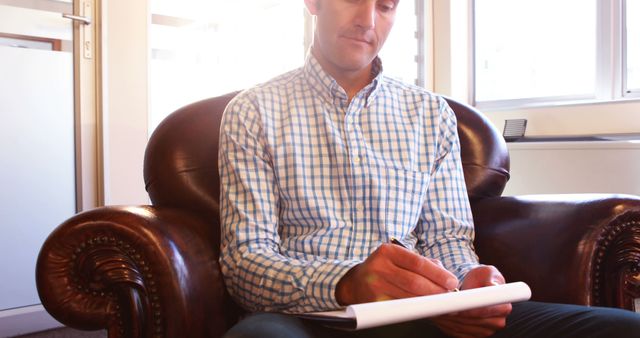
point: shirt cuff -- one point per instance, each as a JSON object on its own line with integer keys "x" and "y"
{"x": 322, "y": 288}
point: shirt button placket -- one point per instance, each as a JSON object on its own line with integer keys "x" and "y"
{"x": 356, "y": 169}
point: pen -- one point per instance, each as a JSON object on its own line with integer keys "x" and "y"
{"x": 395, "y": 241}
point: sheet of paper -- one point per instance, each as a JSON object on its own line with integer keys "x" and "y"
{"x": 400, "y": 310}
{"x": 374, "y": 314}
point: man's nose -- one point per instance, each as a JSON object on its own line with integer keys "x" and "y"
{"x": 366, "y": 17}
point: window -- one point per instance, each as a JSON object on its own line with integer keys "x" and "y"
{"x": 399, "y": 54}
{"x": 632, "y": 59}
{"x": 204, "y": 48}
{"x": 529, "y": 51}
{"x": 553, "y": 50}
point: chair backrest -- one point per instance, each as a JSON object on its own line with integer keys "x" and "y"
{"x": 181, "y": 159}
{"x": 181, "y": 162}
{"x": 485, "y": 158}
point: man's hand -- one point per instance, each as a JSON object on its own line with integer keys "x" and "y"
{"x": 482, "y": 322}
{"x": 393, "y": 272}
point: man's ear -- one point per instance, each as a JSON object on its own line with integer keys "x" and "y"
{"x": 312, "y": 6}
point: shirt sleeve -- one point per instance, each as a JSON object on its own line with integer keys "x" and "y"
{"x": 445, "y": 229}
{"x": 256, "y": 274}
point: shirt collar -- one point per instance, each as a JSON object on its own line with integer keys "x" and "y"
{"x": 328, "y": 88}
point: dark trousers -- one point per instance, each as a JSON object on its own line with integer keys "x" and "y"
{"x": 528, "y": 319}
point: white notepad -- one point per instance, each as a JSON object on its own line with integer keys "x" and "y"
{"x": 366, "y": 315}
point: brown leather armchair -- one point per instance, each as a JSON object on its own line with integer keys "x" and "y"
{"x": 152, "y": 271}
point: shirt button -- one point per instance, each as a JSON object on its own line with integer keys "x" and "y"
{"x": 360, "y": 207}
{"x": 356, "y": 159}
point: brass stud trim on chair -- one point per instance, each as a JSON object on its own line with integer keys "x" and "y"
{"x": 617, "y": 260}
{"x": 134, "y": 269}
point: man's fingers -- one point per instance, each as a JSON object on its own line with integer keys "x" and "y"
{"x": 412, "y": 283}
{"x": 483, "y": 275}
{"x": 394, "y": 272}
{"x": 436, "y": 262}
{"x": 429, "y": 269}
{"x": 481, "y": 322}
{"x": 434, "y": 271}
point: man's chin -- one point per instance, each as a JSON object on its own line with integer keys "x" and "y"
{"x": 356, "y": 64}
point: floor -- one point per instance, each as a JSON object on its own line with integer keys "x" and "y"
{"x": 67, "y": 333}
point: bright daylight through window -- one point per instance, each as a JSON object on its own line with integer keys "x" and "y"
{"x": 531, "y": 50}
{"x": 633, "y": 46}
{"x": 204, "y": 48}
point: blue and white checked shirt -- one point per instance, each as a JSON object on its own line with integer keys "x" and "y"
{"x": 312, "y": 184}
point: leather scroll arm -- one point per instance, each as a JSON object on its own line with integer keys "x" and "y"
{"x": 577, "y": 249}
{"x": 136, "y": 271}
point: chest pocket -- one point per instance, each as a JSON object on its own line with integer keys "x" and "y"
{"x": 397, "y": 196}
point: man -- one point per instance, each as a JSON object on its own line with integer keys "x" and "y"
{"x": 322, "y": 166}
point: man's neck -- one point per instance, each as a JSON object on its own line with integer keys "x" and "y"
{"x": 351, "y": 81}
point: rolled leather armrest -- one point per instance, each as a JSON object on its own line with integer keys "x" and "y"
{"x": 577, "y": 249}
{"x": 135, "y": 271}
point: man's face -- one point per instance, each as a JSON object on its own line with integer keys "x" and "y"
{"x": 350, "y": 33}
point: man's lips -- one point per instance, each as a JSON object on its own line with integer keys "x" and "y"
{"x": 359, "y": 39}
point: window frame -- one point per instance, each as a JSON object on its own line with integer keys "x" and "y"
{"x": 611, "y": 74}
{"x": 626, "y": 91}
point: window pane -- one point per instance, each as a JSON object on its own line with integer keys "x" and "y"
{"x": 204, "y": 48}
{"x": 633, "y": 45}
{"x": 401, "y": 48}
{"x": 534, "y": 49}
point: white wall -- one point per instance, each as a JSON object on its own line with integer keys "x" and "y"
{"x": 574, "y": 167}
{"x": 125, "y": 76}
